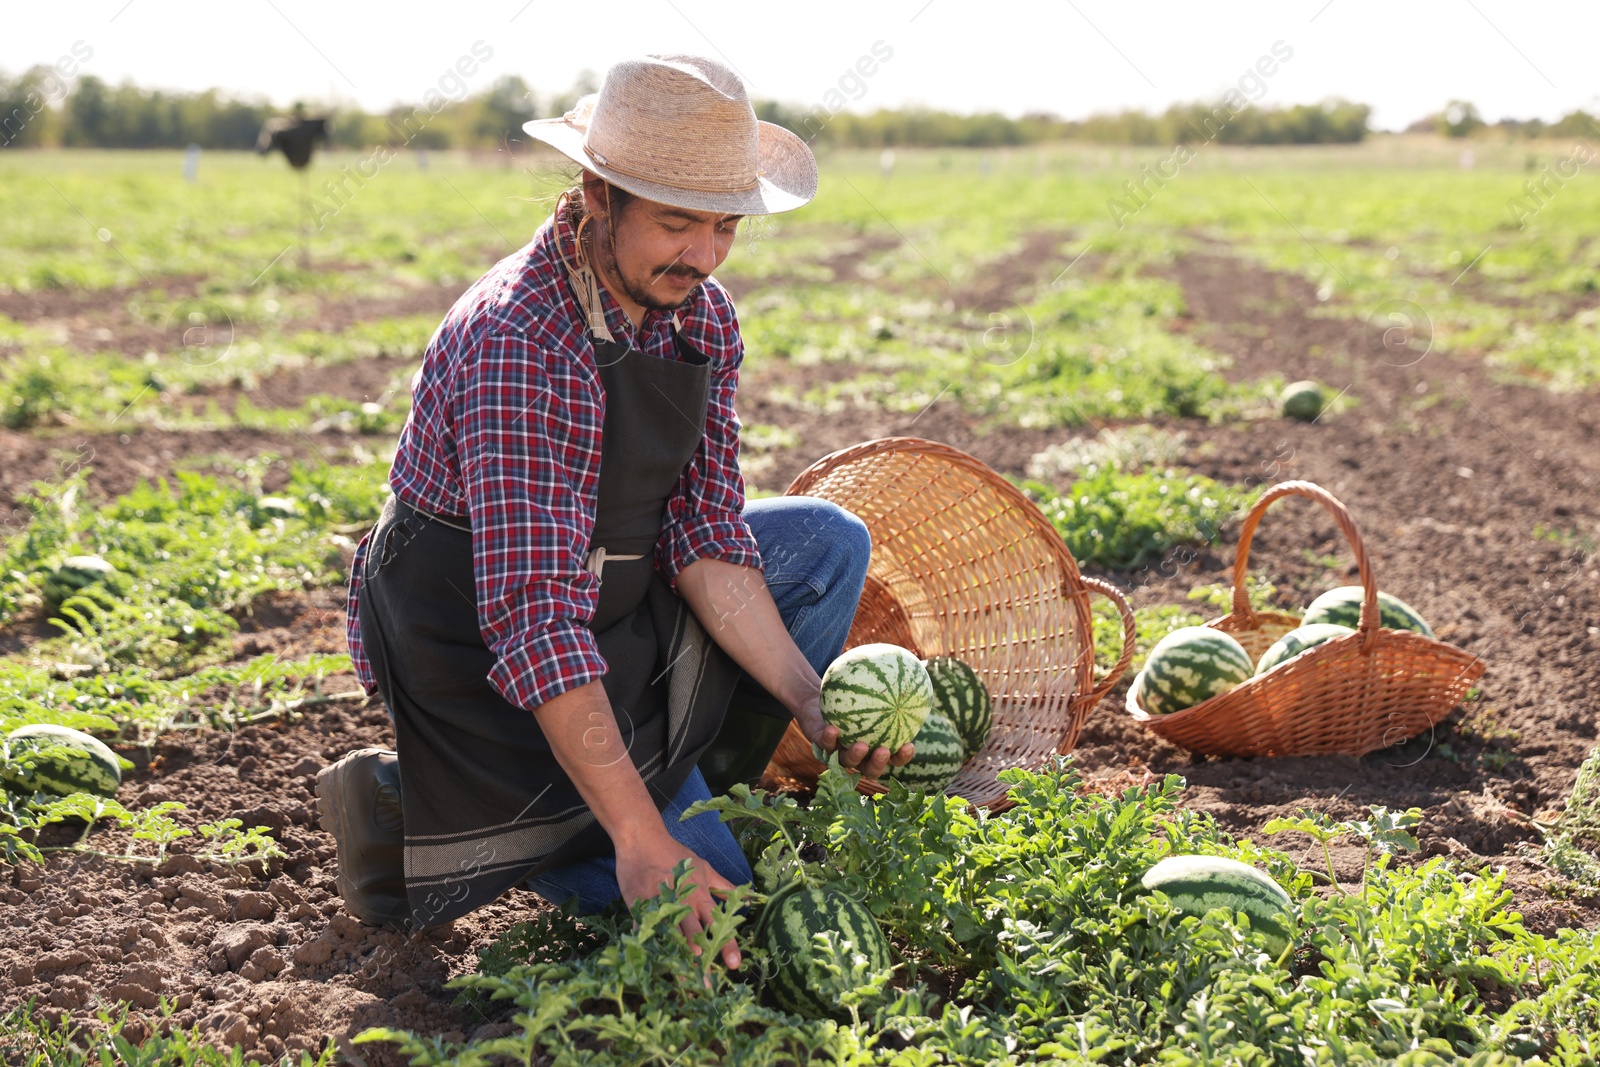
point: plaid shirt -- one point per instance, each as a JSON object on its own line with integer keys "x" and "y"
{"x": 505, "y": 427}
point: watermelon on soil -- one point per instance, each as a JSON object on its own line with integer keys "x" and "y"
{"x": 961, "y": 696}
{"x": 1190, "y": 665}
{"x": 276, "y": 507}
{"x": 785, "y": 930}
{"x": 877, "y": 693}
{"x": 1297, "y": 641}
{"x": 1342, "y": 607}
{"x": 937, "y": 758}
{"x": 1303, "y": 401}
{"x": 46, "y": 758}
{"x": 75, "y": 574}
{"x": 1196, "y": 884}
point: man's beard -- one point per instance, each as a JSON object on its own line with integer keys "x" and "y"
{"x": 648, "y": 294}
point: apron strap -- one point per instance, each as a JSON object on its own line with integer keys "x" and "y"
{"x": 587, "y": 287}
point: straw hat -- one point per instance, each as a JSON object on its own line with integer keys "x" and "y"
{"x": 680, "y": 130}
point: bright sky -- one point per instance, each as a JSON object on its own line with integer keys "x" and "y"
{"x": 1072, "y": 57}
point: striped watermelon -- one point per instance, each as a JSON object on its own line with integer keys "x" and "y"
{"x": 1190, "y": 665}
{"x": 1342, "y": 606}
{"x": 1302, "y": 401}
{"x": 938, "y": 757}
{"x": 75, "y": 574}
{"x": 787, "y": 929}
{"x": 1297, "y": 641}
{"x": 1196, "y": 884}
{"x": 876, "y": 693}
{"x": 46, "y": 758}
{"x": 960, "y": 694}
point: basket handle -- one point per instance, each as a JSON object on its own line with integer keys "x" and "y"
{"x": 1118, "y": 669}
{"x": 1347, "y": 526}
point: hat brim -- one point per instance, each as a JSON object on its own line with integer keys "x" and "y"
{"x": 787, "y": 172}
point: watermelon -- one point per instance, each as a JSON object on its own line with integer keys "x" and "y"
{"x": 1342, "y": 607}
{"x": 1302, "y": 401}
{"x": 937, "y": 759}
{"x": 276, "y": 507}
{"x": 791, "y": 918}
{"x": 1297, "y": 641}
{"x": 959, "y": 694}
{"x": 1196, "y": 884}
{"x": 75, "y": 574}
{"x": 46, "y": 758}
{"x": 876, "y": 693}
{"x": 1190, "y": 665}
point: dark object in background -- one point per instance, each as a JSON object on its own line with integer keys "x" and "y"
{"x": 295, "y": 137}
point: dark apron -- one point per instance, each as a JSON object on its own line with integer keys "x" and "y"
{"x": 486, "y": 803}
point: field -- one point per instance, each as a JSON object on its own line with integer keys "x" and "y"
{"x": 172, "y": 352}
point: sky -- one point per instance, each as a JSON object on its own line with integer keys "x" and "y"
{"x": 1406, "y": 58}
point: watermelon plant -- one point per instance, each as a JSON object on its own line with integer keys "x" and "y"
{"x": 1029, "y": 935}
{"x": 877, "y": 693}
{"x": 1120, "y": 520}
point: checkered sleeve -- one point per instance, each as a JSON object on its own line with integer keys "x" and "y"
{"x": 352, "y": 623}
{"x": 521, "y": 414}
{"x": 705, "y": 514}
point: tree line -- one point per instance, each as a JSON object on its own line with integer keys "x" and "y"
{"x": 37, "y": 111}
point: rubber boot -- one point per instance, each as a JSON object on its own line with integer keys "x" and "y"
{"x": 749, "y": 736}
{"x": 358, "y": 799}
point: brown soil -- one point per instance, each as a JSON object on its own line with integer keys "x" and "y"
{"x": 1446, "y": 471}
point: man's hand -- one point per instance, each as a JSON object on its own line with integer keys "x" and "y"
{"x": 644, "y": 865}
{"x": 820, "y": 732}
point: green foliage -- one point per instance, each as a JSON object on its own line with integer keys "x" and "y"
{"x": 1572, "y": 846}
{"x": 188, "y": 558}
{"x": 1117, "y": 520}
{"x": 1151, "y": 624}
{"x": 1386, "y": 833}
{"x": 28, "y": 1040}
{"x": 1027, "y": 935}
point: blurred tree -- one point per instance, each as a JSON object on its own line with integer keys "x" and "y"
{"x": 1459, "y": 118}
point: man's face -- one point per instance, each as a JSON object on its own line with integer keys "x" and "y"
{"x": 663, "y": 252}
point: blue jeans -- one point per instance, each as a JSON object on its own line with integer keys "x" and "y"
{"x": 814, "y": 559}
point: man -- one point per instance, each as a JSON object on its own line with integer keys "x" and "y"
{"x": 567, "y": 591}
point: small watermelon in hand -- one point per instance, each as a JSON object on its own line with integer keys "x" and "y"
{"x": 1297, "y": 641}
{"x": 937, "y": 757}
{"x": 1189, "y": 666}
{"x": 877, "y": 693}
{"x": 75, "y": 574}
{"x": 1342, "y": 607}
{"x": 786, "y": 930}
{"x": 46, "y": 758}
{"x": 960, "y": 695}
{"x": 1196, "y": 884}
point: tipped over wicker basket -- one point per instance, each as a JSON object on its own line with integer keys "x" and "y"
{"x": 964, "y": 565}
{"x": 1349, "y": 696}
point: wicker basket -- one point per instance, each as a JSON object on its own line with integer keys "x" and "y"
{"x": 1349, "y": 696}
{"x": 964, "y": 565}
